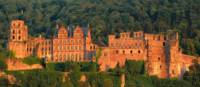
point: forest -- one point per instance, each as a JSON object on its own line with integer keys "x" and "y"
{"x": 106, "y": 17}
{"x": 54, "y": 75}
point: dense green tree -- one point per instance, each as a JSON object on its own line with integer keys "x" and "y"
{"x": 105, "y": 17}
{"x": 3, "y": 65}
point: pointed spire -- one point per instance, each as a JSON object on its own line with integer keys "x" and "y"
{"x": 57, "y": 26}
{"x": 89, "y": 33}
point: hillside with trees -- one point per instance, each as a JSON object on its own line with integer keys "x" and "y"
{"x": 106, "y": 17}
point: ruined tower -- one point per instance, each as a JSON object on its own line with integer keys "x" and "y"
{"x": 18, "y": 37}
{"x": 157, "y": 55}
{"x": 175, "y": 55}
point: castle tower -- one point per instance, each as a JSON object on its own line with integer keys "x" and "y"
{"x": 18, "y": 38}
{"x": 111, "y": 39}
{"x": 157, "y": 56}
{"x": 88, "y": 38}
{"x": 88, "y": 41}
{"x": 175, "y": 55}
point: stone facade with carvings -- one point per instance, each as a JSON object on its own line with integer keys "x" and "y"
{"x": 65, "y": 46}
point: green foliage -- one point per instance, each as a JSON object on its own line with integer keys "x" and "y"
{"x": 134, "y": 67}
{"x": 4, "y": 82}
{"x": 134, "y": 74}
{"x": 72, "y": 66}
{"x": 89, "y": 67}
{"x": 103, "y": 79}
{"x": 4, "y": 54}
{"x": 3, "y": 65}
{"x": 98, "y": 54}
{"x": 32, "y": 60}
{"x": 75, "y": 77}
{"x": 117, "y": 71}
{"x": 133, "y": 78}
{"x": 172, "y": 83}
{"x": 38, "y": 78}
{"x": 193, "y": 76}
{"x": 106, "y": 17}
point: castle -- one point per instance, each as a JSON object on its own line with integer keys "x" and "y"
{"x": 160, "y": 52}
{"x": 63, "y": 47}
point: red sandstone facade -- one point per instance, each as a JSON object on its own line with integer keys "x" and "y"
{"x": 161, "y": 52}
{"x": 63, "y": 47}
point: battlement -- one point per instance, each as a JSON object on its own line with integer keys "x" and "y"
{"x": 173, "y": 36}
{"x": 139, "y": 34}
{"x": 158, "y": 37}
{"x": 124, "y": 35}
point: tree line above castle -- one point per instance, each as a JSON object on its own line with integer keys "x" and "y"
{"x": 107, "y": 17}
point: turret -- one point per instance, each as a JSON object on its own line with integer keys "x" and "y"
{"x": 111, "y": 38}
{"x": 88, "y": 38}
{"x": 18, "y": 38}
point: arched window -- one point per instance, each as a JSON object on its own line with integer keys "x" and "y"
{"x": 19, "y": 38}
{"x": 90, "y": 47}
{"x": 93, "y": 47}
{"x": 117, "y": 51}
{"x": 173, "y": 72}
{"x": 138, "y": 51}
{"x": 13, "y": 37}
{"x": 164, "y": 37}
{"x": 13, "y": 31}
{"x": 123, "y": 52}
{"x": 131, "y": 51}
{"x": 163, "y": 43}
{"x": 158, "y": 58}
{"x": 158, "y": 38}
